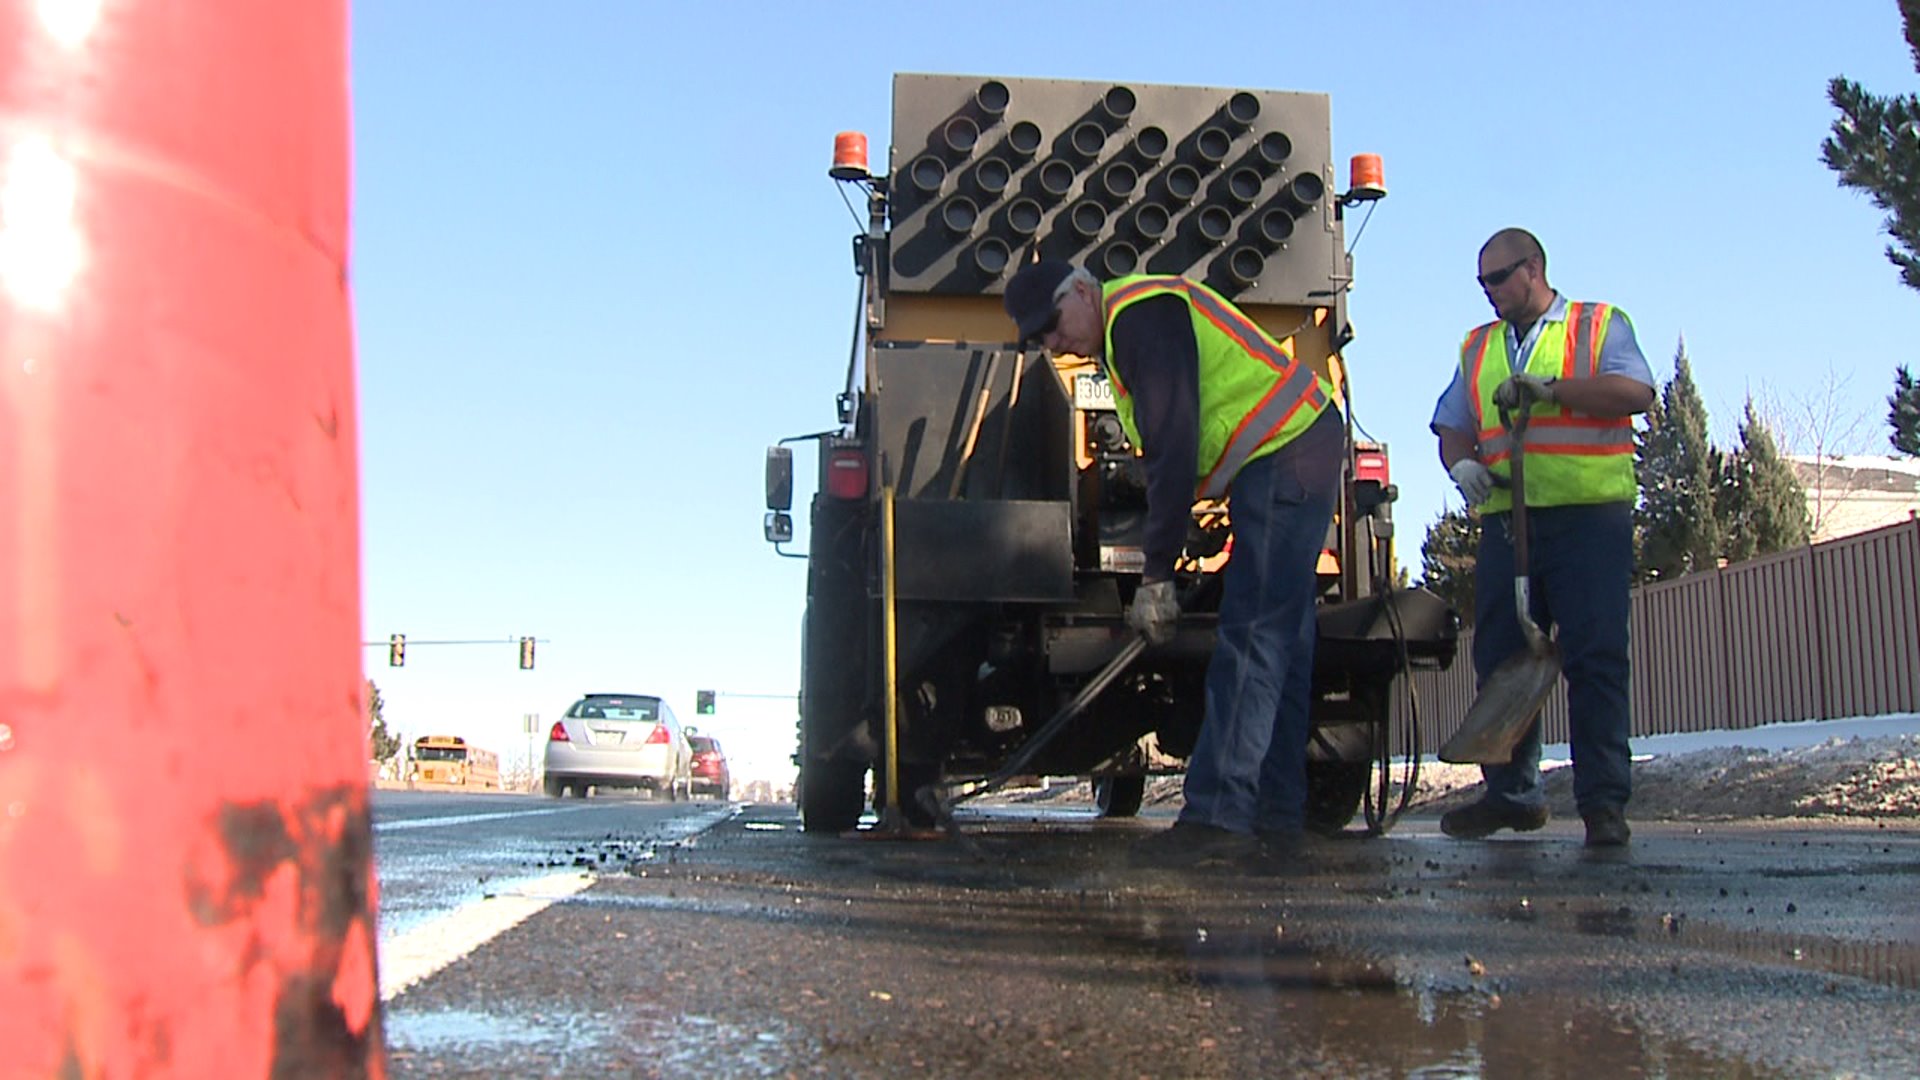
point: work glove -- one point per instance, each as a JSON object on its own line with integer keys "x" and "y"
{"x": 1523, "y": 390}
{"x": 1473, "y": 480}
{"x": 1155, "y": 611}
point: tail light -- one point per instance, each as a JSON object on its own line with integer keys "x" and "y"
{"x": 559, "y": 733}
{"x": 847, "y": 472}
{"x": 1370, "y": 465}
{"x": 1372, "y": 481}
{"x": 659, "y": 735}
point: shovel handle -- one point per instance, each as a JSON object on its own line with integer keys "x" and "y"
{"x": 1517, "y": 427}
{"x": 1521, "y": 575}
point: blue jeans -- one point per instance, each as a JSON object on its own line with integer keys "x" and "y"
{"x": 1249, "y": 767}
{"x": 1581, "y": 558}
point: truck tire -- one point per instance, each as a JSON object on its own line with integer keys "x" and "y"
{"x": 1119, "y": 796}
{"x": 834, "y": 640}
{"x": 1334, "y": 791}
{"x": 832, "y": 794}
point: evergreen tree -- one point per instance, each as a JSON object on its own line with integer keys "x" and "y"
{"x": 1875, "y": 147}
{"x": 380, "y": 743}
{"x": 1679, "y": 472}
{"x": 1903, "y": 412}
{"x": 1447, "y": 559}
{"x": 1762, "y": 506}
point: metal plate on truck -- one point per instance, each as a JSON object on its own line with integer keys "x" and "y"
{"x": 1092, "y": 392}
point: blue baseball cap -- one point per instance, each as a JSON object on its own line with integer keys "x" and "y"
{"x": 1029, "y": 299}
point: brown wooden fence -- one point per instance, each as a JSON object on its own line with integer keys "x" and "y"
{"x": 1818, "y": 633}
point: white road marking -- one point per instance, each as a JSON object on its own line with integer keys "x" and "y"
{"x": 464, "y": 819}
{"x": 408, "y": 957}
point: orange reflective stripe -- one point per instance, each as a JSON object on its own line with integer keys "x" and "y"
{"x": 1127, "y": 293}
{"x": 1570, "y": 343}
{"x": 1543, "y": 423}
{"x": 1579, "y": 449}
{"x": 1244, "y": 331}
{"x": 1145, "y": 285}
{"x": 1298, "y": 386}
{"x": 1473, "y": 353}
{"x": 1586, "y": 337}
{"x": 1549, "y": 436}
{"x": 1259, "y": 425}
{"x": 1583, "y": 357}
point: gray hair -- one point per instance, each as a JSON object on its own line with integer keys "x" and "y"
{"x": 1080, "y": 273}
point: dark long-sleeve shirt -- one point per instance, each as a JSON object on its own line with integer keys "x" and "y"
{"x": 1158, "y": 361}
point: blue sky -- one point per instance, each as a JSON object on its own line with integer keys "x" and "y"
{"x": 598, "y": 266}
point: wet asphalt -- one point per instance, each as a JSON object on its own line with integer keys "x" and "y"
{"x": 1030, "y": 948}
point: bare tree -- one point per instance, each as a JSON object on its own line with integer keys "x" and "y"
{"x": 1823, "y": 425}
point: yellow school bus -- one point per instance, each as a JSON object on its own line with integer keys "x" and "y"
{"x": 448, "y": 759}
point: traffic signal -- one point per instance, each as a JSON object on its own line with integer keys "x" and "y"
{"x": 703, "y": 703}
{"x": 526, "y": 654}
{"x": 397, "y": 650}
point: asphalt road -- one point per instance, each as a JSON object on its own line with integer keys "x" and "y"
{"x": 710, "y": 941}
{"x": 455, "y": 869}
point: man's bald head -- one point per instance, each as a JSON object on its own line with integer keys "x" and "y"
{"x": 1513, "y": 274}
{"x": 1513, "y": 244}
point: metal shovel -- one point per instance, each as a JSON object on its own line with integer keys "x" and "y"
{"x": 1517, "y": 690}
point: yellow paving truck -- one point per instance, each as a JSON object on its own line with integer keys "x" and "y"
{"x": 974, "y": 538}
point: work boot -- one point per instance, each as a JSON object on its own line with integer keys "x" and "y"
{"x": 1188, "y": 845}
{"x": 1487, "y": 817}
{"x": 1606, "y": 827}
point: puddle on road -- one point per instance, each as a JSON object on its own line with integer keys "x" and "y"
{"x": 1358, "y": 1010}
{"x": 674, "y": 1043}
{"x": 1888, "y": 963}
{"x": 444, "y": 1030}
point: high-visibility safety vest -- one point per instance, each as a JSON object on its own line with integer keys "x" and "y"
{"x": 1254, "y": 396}
{"x": 1572, "y": 459}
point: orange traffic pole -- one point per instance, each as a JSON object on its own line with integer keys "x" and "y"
{"x": 184, "y": 843}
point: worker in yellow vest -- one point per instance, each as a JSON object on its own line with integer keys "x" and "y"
{"x": 1215, "y": 406}
{"x": 1578, "y": 369}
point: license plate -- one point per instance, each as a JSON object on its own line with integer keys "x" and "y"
{"x": 1092, "y": 392}
{"x": 611, "y": 737}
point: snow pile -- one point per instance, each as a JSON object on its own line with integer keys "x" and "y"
{"x": 1854, "y": 777}
{"x": 1786, "y": 771}
{"x": 1885, "y": 784}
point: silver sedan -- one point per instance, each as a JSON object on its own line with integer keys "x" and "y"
{"x": 618, "y": 740}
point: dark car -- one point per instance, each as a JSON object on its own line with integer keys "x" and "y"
{"x": 710, "y": 773}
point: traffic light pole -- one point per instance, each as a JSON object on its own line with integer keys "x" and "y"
{"x": 397, "y": 647}
{"x": 706, "y": 701}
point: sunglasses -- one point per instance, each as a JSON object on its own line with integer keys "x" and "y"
{"x": 1496, "y": 278}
